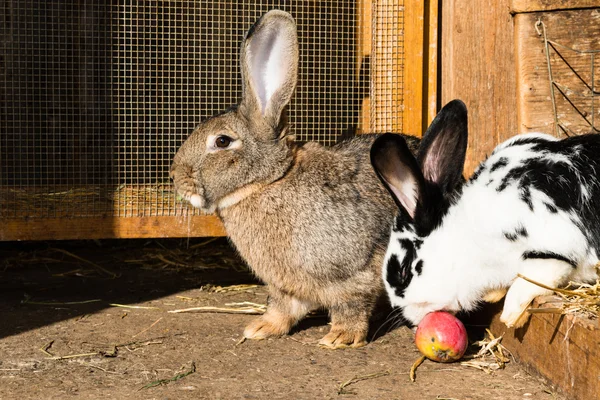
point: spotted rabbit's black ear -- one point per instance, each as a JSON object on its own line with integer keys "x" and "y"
{"x": 269, "y": 59}
{"x": 419, "y": 186}
{"x": 398, "y": 170}
{"x": 443, "y": 148}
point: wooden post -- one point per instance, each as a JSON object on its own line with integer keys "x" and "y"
{"x": 431, "y": 59}
{"x": 365, "y": 26}
{"x": 478, "y": 67}
{"x": 414, "y": 67}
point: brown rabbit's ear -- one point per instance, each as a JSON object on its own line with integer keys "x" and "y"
{"x": 269, "y": 60}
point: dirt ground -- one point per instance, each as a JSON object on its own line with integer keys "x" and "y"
{"x": 91, "y": 320}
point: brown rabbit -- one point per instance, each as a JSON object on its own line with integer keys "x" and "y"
{"x": 311, "y": 221}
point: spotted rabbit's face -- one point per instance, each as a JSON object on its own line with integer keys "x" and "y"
{"x": 402, "y": 273}
{"x": 417, "y": 273}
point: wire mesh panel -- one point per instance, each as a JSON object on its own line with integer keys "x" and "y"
{"x": 387, "y": 70}
{"x": 97, "y": 96}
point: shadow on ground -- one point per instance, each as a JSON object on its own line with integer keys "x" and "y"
{"x": 45, "y": 282}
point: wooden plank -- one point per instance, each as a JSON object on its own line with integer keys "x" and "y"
{"x": 563, "y": 349}
{"x": 110, "y": 227}
{"x": 414, "y": 67}
{"x": 431, "y": 23}
{"x": 534, "y": 104}
{"x": 522, "y": 6}
{"x": 478, "y": 66}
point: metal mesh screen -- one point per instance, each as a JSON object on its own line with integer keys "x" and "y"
{"x": 96, "y": 96}
{"x": 387, "y": 66}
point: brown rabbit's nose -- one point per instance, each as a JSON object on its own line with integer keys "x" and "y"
{"x": 172, "y": 178}
{"x": 175, "y": 174}
{"x": 172, "y": 170}
{"x": 180, "y": 169}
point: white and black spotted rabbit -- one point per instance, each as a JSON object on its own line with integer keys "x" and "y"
{"x": 532, "y": 208}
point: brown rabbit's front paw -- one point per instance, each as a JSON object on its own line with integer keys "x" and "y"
{"x": 262, "y": 328}
{"x": 339, "y": 338}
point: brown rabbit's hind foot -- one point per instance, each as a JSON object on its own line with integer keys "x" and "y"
{"x": 265, "y": 327}
{"x": 339, "y": 338}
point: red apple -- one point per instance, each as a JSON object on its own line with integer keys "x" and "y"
{"x": 441, "y": 337}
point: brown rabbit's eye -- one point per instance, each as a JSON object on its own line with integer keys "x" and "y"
{"x": 223, "y": 141}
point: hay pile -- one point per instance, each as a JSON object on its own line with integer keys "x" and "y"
{"x": 579, "y": 299}
{"x": 124, "y": 200}
{"x": 492, "y": 355}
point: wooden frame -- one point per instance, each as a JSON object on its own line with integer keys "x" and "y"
{"x": 562, "y": 348}
{"x": 110, "y": 227}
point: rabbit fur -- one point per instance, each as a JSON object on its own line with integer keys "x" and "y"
{"x": 311, "y": 221}
{"x": 532, "y": 208}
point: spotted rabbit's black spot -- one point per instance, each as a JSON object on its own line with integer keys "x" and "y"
{"x": 502, "y": 162}
{"x": 520, "y": 231}
{"x": 410, "y": 251}
{"x": 525, "y": 196}
{"x": 478, "y": 172}
{"x": 397, "y": 276}
{"x": 419, "y": 267}
{"x": 511, "y": 236}
{"x": 528, "y": 140}
{"x": 548, "y": 255}
{"x": 399, "y": 273}
{"x": 551, "y": 208}
{"x": 401, "y": 223}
